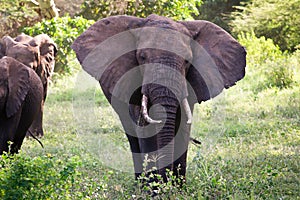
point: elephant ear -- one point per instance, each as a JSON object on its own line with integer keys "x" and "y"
{"x": 2, "y": 48}
{"x": 219, "y": 61}
{"x": 18, "y": 84}
{"x": 47, "y": 53}
{"x": 3, "y": 84}
{"x": 106, "y": 51}
{"x": 5, "y": 43}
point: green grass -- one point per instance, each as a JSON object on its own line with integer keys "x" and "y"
{"x": 250, "y": 147}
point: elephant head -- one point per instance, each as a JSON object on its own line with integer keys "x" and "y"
{"x": 37, "y": 53}
{"x": 21, "y": 94}
{"x": 164, "y": 66}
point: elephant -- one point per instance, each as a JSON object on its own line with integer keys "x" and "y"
{"x": 37, "y": 53}
{"x": 152, "y": 71}
{"x": 21, "y": 95}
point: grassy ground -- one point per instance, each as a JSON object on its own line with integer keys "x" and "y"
{"x": 250, "y": 146}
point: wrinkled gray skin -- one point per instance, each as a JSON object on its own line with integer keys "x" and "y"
{"x": 21, "y": 95}
{"x": 208, "y": 60}
{"x": 37, "y": 53}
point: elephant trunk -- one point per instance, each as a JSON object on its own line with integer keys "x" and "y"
{"x": 164, "y": 106}
{"x": 164, "y": 88}
{"x": 166, "y": 111}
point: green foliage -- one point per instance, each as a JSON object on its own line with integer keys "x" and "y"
{"x": 63, "y": 31}
{"x": 43, "y": 177}
{"x": 176, "y": 9}
{"x": 259, "y": 49}
{"x": 218, "y": 11}
{"x": 151, "y": 183}
{"x": 280, "y": 74}
{"x": 266, "y": 61}
{"x": 275, "y": 19}
{"x": 14, "y": 14}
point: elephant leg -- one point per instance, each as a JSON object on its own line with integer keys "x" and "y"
{"x": 3, "y": 140}
{"x": 36, "y": 127}
{"x": 26, "y": 119}
{"x": 144, "y": 146}
{"x": 8, "y": 129}
{"x": 180, "y": 151}
{"x": 181, "y": 145}
{"x": 128, "y": 115}
{"x": 136, "y": 155}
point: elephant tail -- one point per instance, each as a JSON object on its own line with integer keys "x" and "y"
{"x": 195, "y": 141}
{"x": 32, "y": 135}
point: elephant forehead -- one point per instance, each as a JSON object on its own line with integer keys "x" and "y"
{"x": 164, "y": 39}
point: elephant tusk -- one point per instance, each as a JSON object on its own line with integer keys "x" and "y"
{"x": 187, "y": 110}
{"x": 145, "y": 112}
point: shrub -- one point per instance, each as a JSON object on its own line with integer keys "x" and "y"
{"x": 63, "y": 31}
{"x": 259, "y": 50}
{"x": 279, "y": 74}
{"x": 43, "y": 177}
{"x": 267, "y": 65}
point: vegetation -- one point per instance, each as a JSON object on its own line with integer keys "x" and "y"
{"x": 14, "y": 15}
{"x": 219, "y": 11}
{"x": 177, "y": 9}
{"x": 250, "y": 134}
{"x": 274, "y": 19}
{"x": 273, "y": 67}
{"x": 63, "y": 31}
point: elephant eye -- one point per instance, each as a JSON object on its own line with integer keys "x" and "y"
{"x": 142, "y": 57}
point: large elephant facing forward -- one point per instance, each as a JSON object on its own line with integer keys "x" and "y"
{"x": 37, "y": 53}
{"x": 153, "y": 70}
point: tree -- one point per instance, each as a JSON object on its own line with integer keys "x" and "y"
{"x": 218, "y": 11}
{"x": 275, "y": 19}
{"x": 176, "y": 9}
{"x": 14, "y": 14}
{"x": 45, "y": 8}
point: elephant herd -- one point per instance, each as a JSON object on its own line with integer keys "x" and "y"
{"x": 151, "y": 70}
{"x": 26, "y": 64}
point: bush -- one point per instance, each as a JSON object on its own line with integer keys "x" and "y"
{"x": 259, "y": 50}
{"x": 267, "y": 65}
{"x": 43, "y": 177}
{"x": 63, "y": 31}
{"x": 275, "y": 19}
{"x": 176, "y": 9}
{"x": 279, "y": 74}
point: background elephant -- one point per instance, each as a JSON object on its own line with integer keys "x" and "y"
{"x": 37, "y": 53}
{"x": 21, "y": 94}
{"x": 153, "y": 70}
